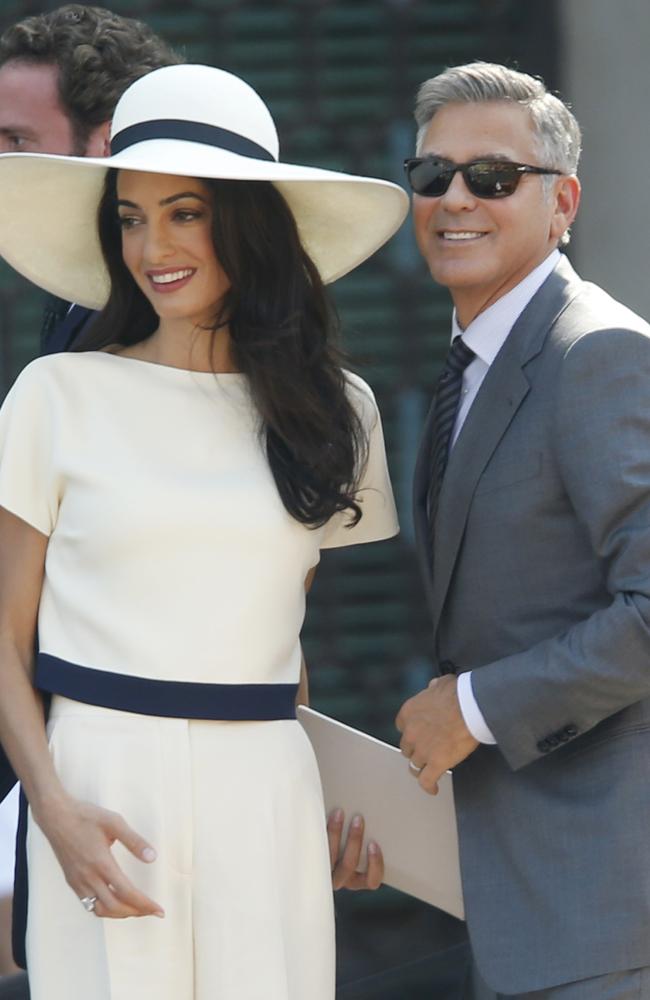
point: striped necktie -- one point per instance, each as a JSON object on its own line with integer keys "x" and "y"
{"x": 445, "y": 410}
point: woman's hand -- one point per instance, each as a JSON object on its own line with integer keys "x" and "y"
{"x": 345, "y": 859}
{"x": 81, "y": 836}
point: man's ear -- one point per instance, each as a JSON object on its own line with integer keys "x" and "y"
{"x": 567, "y": 199}
{"x": 99, "y": 141}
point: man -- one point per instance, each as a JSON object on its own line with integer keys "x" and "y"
{"x": 61, "y": 75}
{"x": 532, "y": 506}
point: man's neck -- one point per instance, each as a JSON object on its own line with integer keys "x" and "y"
{"x": 470, "y": 303}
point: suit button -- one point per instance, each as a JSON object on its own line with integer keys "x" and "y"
{"x": 447, "y": 667}
{"x": 553, "y": 740}
{"x": 543, "y": 746}
{"x": 571, "y": 731}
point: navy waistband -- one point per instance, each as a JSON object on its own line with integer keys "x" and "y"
{"x": 170, "y": 699}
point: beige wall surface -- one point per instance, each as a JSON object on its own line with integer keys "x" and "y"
{"x": 606, "y": 76}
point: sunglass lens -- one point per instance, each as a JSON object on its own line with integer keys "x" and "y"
{"x": 429, "y": 177}
{"x": 492, "y": 180}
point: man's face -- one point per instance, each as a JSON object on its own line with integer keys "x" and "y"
{"x": 481, "y": 248}
{"x": 31, "y": 117}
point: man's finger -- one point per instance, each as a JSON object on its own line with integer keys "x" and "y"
{"x": 428, "y": 779}
{"x": 400, "y": 718}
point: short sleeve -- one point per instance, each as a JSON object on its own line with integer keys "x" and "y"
{"x": 374, "y": 494}
{"x": 29, "y": 487}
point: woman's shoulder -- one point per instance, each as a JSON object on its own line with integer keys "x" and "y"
{"x": 55, "y": 366}
{"x": 362, "y": 398}
{"x": 52, "y": 378}
{"x": 357, "y": 385}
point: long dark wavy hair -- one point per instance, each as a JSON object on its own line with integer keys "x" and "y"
{"x": 284, "y": 334}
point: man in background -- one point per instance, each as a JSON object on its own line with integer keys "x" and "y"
{"x": 61, "y": 75}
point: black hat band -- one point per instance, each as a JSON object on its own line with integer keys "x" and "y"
{"x": 173, "y": 128}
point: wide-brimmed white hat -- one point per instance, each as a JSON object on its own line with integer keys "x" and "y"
{"x": 194, "y": 121}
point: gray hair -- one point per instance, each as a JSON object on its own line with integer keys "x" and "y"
{"x": 557, "y": 133}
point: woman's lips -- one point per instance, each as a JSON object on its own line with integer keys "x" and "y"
{"x": 170, "y": 281}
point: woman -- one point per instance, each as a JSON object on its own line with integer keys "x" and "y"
{"x": 164, "y": 494}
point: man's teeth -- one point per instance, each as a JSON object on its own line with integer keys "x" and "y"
{"x": 165, "y": 279}
{"x": 454, "y": 235}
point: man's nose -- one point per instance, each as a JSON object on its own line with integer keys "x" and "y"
{"x": 458, "y": 196}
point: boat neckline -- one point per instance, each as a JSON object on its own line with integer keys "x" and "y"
{"x": 169, "y": 368}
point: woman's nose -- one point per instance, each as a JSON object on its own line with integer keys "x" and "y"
{"x": 158, "y": 243}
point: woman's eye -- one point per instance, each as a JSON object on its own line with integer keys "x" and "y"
{"x": 187, "y": 215}
{"x": 128, "y": 221}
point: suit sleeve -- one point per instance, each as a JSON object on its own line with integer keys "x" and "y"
{"x": 29, "y": 485}
{"x": 374, "y": 493}
{"x": 537, "y": 700}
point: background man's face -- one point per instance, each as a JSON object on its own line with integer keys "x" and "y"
{"x": 502, "y": 239}
{"x": 31, "y": 117}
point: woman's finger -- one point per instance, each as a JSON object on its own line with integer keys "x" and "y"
{"x": 119, "y": 829}
{"x": 109, "y": 906}
{"x": 375, "y": 873}
{"x": 334, "y": 834}
{"x": 373, "y": 877}
{"x": 344, "y": 874}
{"x": 124, "y": 891}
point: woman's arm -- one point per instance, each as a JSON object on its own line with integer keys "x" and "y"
{"x": 80, "y": 833}
{"x": 22, "y": 560}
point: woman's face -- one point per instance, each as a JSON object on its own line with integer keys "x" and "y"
{"x": 166, "y": 224}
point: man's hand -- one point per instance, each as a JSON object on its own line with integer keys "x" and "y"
{"x": 344, "y": 868}
{"x": 434, "y": 735}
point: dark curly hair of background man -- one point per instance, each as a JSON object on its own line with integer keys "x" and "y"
{"x": 98, "y": 55}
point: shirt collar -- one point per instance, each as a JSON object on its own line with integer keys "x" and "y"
{"x": 487, "y": 333}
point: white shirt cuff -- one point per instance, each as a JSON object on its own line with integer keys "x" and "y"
{"x": 472, "y": 714}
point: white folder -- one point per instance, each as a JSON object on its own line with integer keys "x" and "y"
{"x": 416, "y": 831}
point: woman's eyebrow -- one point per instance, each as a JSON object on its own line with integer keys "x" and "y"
{"x": 165, "y": 201}
{"x": 183, "y": 194}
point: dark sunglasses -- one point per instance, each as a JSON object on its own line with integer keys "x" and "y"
{"x": 431, "y": 176}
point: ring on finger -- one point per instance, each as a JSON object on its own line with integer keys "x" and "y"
{"x": 89, "y": 903}
{"x": 414, "y": 767}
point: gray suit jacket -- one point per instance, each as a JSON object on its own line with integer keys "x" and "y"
{"x": 539, "y": 581}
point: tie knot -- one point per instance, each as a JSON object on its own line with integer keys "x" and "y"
{"x": 459, "y": 356}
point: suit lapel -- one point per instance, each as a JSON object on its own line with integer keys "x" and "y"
{"x": 503, "y": 391}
